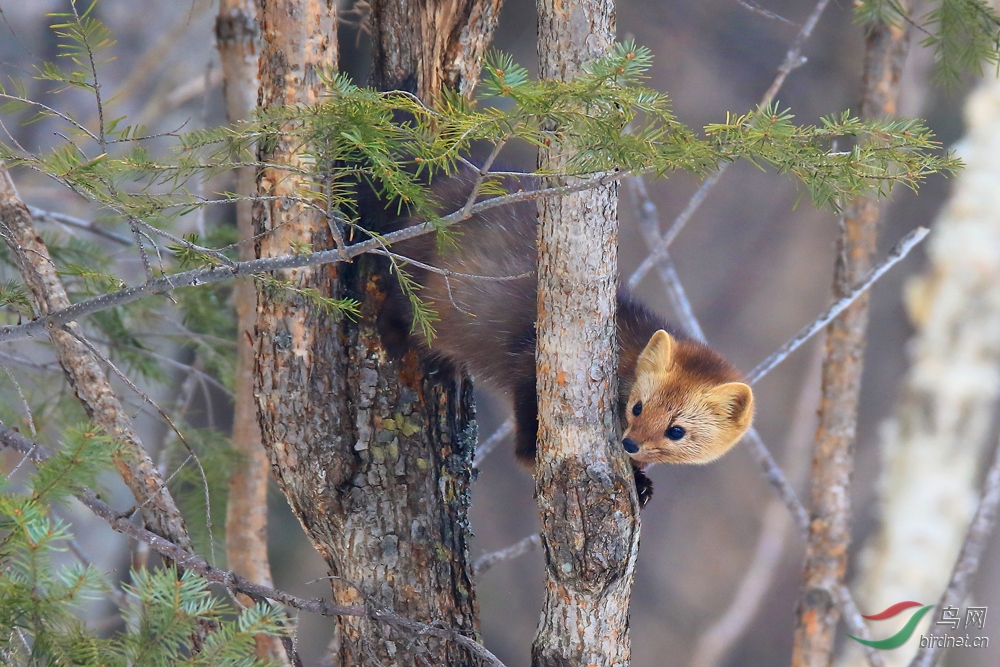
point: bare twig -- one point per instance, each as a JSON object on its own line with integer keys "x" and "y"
{"x": 898, "y": 252}
{"x": 69, "y": 221}
{"x": 194, "y": 277}
{"x": 519, "y": 548}
{"x": 49, "y": 110}
{"x": 482, "y": 173}
{"x": 484, "y": 448}
{"x": 230, "y": 580}
{"x": 24, "y": 361}
{"x": 85, "y": 374}
{"x": 24, "y": 401}
{"x": 448, "y": 272}
{"x": 967, "y": 564}
{"x": 754, "y": 8}
{"x": 188, "y": 368}
{"x": 715, "y": 643}
{"x": 793, "y": 60}
{"x": 170, "y": 422}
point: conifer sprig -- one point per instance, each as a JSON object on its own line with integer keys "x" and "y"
{"x": 40, "y": 599}
{"x": 965, "y": 34}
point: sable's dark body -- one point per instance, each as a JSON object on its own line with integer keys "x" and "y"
{"x": 489, "y": 325}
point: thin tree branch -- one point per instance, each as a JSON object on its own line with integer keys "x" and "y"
{"x": 525, "y": 545}
{"x": 898, "y": 252}
{"x": 170, "y": 422}
{"x": 49, "y": 110}
{"x": 483, "y": 449}
{"x": 69, "y": 221}
{"x": 230, "y": 580}
{"x": 754, "y": 8}
{"x": 89, "y": 381}
{"x": 188, "y": 368}
{"x": 195, "y": 277}
{"x": 793, "y": 60}
{"x": 967, "y": 564}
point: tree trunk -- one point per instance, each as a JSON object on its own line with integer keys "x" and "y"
{"x": 588, "y": 505}
{"x": 83, "y": 368}
{"x": 236, "y": 36}
{"x": 374, "y": 457}
{"x": 934, "y": 443}
{"x": 829, "y": 528}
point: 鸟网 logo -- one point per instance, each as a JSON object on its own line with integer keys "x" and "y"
{"x": 904, "y": 634}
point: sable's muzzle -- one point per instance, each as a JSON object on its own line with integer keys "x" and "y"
{"x": 630, "y": 445}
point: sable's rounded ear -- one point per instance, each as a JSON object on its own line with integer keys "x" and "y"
{"x": 736, "y": 399}
{"x": 658, "y": 354}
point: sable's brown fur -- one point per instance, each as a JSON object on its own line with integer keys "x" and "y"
{"x": 489, "y": 327}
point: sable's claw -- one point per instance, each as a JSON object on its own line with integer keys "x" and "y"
{"x": 643, "y": 487}
{"x": 630, "y": 445}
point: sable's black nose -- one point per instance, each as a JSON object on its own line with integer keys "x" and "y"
{"x": 630, "y": 445}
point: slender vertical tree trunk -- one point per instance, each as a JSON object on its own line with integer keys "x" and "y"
{"x": 374, "y": 457}
{"x": 829, "y": 528}
{"x": 246, "y": 509}
{"x": 589, "y": 510}
{"x": 83, "y": 369}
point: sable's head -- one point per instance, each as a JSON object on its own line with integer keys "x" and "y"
{"x": 686, "y": 404}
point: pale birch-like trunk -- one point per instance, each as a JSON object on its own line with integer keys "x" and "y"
{"x": 589, "y": 510}
{"x": 933, "y": 447}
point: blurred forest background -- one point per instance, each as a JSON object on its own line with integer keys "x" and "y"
{"x": 755, "y": 260}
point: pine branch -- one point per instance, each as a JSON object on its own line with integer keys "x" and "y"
{"x": 42, "y": 325}
{"x": 793, "y": 60}
{"x": 88, "y": 380}
{"x": 232, "y": 581}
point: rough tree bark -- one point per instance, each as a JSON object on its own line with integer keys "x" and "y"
{"x": 424, "y": 46}
{"x": 236, "y": 36}
{"x": 829, "y": 528}
{"x": 83, "y": 369}
{"x": 588, "y": 505}
{"x": 374, "y": 457}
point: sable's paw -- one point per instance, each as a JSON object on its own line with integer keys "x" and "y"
{"x": 643, "y": 487}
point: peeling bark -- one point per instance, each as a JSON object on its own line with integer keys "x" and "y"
{"x": 83, "y": 370}
{"x": 829, "y": 528}
{"x": 589, "y": 510}
{"x": 424, "y": 46}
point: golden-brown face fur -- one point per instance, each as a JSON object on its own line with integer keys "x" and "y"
{"x": 680, "y": 386}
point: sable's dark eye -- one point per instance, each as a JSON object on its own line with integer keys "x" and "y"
{"x": 637, "y": 409}
{"x": 675, "y": 432}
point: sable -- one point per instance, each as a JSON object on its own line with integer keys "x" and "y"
{"x": 679, "y": 400}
